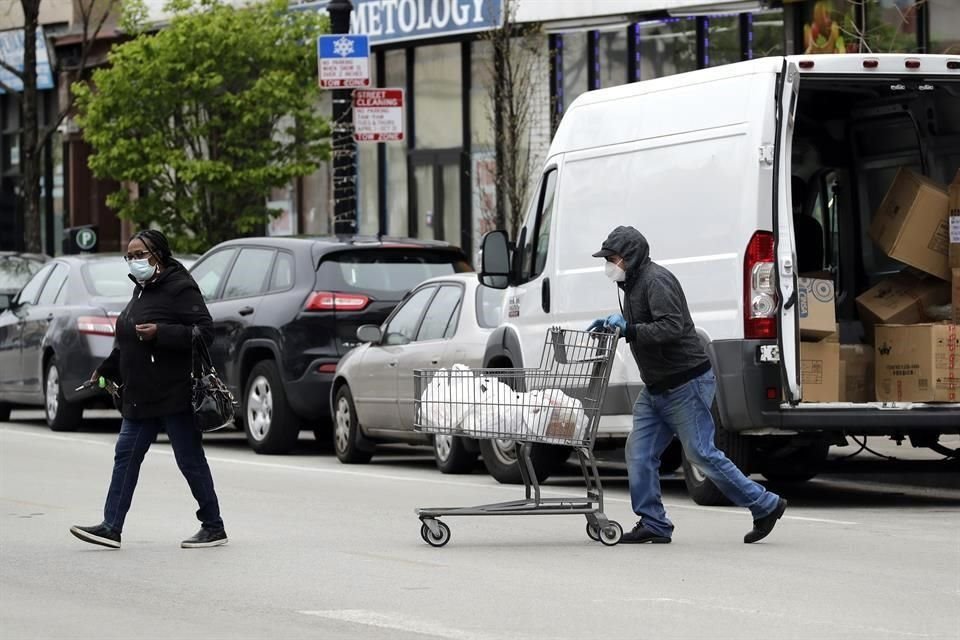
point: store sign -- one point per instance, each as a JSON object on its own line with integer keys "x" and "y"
{"x": 12, "y": 53}
{"x": 400, "y": 20}
{"x": 377, "y": 115}
{"x": 344, "y": 61}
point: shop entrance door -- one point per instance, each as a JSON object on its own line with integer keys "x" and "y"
{"x": 436, "y": 211}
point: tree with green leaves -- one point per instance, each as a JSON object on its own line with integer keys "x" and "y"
{"x": 202, "y": 119}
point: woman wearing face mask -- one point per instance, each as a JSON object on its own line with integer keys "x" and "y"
{"x": 151, "y": 360}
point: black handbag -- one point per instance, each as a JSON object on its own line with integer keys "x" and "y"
{"x": 213, "y": 405}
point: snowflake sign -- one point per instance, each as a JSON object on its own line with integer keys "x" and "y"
{"x": 343, "y": 61}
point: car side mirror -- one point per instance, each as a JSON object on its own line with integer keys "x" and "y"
{"x": 369, "y": 333}
{"x": 495, "y": 260}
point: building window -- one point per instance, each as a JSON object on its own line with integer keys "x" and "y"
{"x": 767, "y": 34}
{"x": 723, "y": 40}
{"x": 613, "y": 57}
{"x": 395, "y": 75}
{"x": 667, "y": 47}
{"x": 944, "y": 26}
{"x": 575, "y": 73}
{"x": 437, "y": 90}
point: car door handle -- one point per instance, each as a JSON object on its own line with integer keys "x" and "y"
{"x": 545, "y": 295}
{"x": 245, "y": 311}
{"x": 435, "y": 361}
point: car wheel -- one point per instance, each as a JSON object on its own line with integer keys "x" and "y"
{"x": 268, "y": 421}
{"x": 798, "y": 466}
{"x": 346, "y": 430}
{"x": 61, "y": 415}
{"x": 500, "y": 459}
{"x": 452, "y": 454}
{"x": 736, "y": 448}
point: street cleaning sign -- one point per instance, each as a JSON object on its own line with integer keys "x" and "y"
{"x": 344, "y": 61}
{"x": 377, "y": 115}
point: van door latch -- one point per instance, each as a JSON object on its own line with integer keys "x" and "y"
{"x": 766, "y": 155}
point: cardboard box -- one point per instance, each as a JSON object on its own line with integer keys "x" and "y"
{"x": 820, "y": 371}
{"x": 911, "y": 224}
{"x": 953, "y": 193}
{"x": 816, "y": 308}
{"x": 918, "y": 363}
{"x": 857, "y": 364}
{"x": 900, "y": 299}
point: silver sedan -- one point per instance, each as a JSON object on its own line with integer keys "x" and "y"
{"x": 444, "y": 321}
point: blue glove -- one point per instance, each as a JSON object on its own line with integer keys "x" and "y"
{"x": 597, "y": 325}
{"x": 618, "y": 321}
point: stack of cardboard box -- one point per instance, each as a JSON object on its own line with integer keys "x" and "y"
{"x": 916, "y": 360}
{"x": 820, "y": 372}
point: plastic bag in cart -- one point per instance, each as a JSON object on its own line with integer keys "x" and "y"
{"x": 447, "y": 399}
{"x": 555, "y": 417}
{"x": 497, "y": 410}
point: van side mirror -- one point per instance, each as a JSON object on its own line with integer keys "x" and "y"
{"x": 495, "y": 260}
{"x": 369, "y": 333}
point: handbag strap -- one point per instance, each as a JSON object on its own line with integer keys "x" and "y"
{"x": 199, "y": 351}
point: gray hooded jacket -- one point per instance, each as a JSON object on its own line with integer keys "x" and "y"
{"x": 660, "y": 331}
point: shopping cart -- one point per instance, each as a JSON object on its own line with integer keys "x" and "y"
{"x": 557, "y": 404}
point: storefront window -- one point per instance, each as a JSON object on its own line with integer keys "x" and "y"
{"x": 574, "y": 66}
{"x": 891, "y": 26}
{"x": 395, "y": 75}
{"x": 723, "y": 40}
{"x": 944, "y": 26}
{"x": 438, "y": 96}
{"x": 667, "y": 47}
{"x": 613, "y": 57}
{"x": 767, "y": 34}
{"x": 317, "y": 190}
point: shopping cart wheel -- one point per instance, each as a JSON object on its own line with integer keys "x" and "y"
{"x": 593, "y": 531}
{"x": 611, "y": 534}
{"x": 436, "y": 540}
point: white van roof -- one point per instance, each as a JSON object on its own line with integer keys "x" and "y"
{"x": 567, "y": 138}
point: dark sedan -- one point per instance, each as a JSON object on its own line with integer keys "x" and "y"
{"x": 55, "y": 333}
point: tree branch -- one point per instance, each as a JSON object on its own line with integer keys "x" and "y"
{"x": 14, "y": 71}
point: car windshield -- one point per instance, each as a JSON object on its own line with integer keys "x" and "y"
{"x": 107, "y": 278}
{"x": 387, "y": 274}
{"x": 15, "y": 271}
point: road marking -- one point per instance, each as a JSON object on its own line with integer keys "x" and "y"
{"x": 400, "y": 478}
{"x": 833, "y": 623}
{"x": 400, "y": 622}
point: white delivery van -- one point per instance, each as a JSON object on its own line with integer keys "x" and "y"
{"x": 704, "y": 164}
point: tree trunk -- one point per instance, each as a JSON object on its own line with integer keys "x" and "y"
{"x": 30, "y": 153}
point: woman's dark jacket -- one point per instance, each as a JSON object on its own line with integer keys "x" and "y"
{"x": 155, "y": 375}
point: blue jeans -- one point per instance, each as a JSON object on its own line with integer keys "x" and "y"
{"x": 684, "y": 412}
{"x": 135, "y": 439}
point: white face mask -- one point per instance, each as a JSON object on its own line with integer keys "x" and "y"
{"x": 142, "y": 270}
{"x": 615, "y": 272}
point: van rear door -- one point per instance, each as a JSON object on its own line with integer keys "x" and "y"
{"x": 788, "y": 334}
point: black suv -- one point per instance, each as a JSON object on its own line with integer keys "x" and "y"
{"x": 286, "y": 309}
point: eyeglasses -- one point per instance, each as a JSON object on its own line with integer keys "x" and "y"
{"x": 139, "y": 255}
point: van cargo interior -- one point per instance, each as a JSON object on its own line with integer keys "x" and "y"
{"x": 851, "y": 136}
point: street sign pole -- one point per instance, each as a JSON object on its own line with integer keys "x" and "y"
{"x": 344, "y": 148}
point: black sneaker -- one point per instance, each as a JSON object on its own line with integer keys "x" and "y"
{"x": 763, "y": 526}
{"x": 205, "y": 538}
{"x": 641, "y": 534}
{"x": 99, "y": 534}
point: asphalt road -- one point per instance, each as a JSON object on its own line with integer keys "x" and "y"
{"x": 322, "y": 550}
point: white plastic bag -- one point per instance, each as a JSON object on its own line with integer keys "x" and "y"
{"x": 497, "y": 410}
{"x": 447, "y": 399}
{"x": 554, "y": 417}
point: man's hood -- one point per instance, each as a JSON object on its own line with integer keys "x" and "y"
{"x": 632, "y": 246}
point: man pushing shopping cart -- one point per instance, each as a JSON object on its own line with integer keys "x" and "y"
{"x": 678, "y": 394}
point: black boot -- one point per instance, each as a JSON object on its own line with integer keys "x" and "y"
{"x": 641, "y": 534}
{"x": 763, "y": 526}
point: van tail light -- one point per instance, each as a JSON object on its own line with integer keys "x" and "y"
{"x": 759, "y": 290}
{"x": 953, "y": 64}
{"x": 97, "y": 325}
{"x": 806, "y": 64}
{"x": 871, "y": 63}
{"x": 912, "y": 64}
{"x": 331, "y": 301}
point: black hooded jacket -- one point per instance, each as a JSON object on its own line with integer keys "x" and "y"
{"x": 155, "y": 374}
{"x": 660, "y": 331}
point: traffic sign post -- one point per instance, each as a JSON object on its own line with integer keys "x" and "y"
{"x": 344, "y": 147}
{"x": 344, "y": 61}
{"x": 377, "y": 115}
